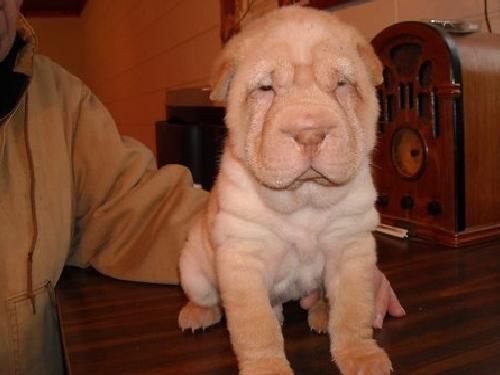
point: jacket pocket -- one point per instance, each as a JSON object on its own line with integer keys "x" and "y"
{"x": 34, "y": 337}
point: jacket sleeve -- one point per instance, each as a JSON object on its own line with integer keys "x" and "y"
{"x": 131, "y": 219}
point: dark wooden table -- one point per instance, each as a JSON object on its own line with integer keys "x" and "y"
{"x": 452, "y": 299}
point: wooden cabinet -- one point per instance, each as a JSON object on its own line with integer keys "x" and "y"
{"x": 192, "y": 134}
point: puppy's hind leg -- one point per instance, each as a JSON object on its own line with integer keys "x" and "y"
{"x": 317, "y": 316}
{"x": 193, "y": 316}
{"x": 198, "y": 282}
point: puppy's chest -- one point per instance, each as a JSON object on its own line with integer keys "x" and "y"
{"x": 297, "y": 274}
{"x": 301, "y": 235}
{"x": 302, "y": 265}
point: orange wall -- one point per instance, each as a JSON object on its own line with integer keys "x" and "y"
{"x": 131, "y": 51}
{"x": 60, "y": 39}
{"x": 136, "y": 50}
{"x": 373, "y": 15}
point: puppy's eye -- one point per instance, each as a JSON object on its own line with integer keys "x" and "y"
{"x": 266, "y": 88}
{"x": 342, "y": 82}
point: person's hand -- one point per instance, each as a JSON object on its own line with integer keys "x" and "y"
{"x": 386, "y": 300}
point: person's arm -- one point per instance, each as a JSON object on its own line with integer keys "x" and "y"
{"x": 131, "y": 219}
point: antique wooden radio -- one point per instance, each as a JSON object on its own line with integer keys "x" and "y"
{"x": 437, "y": 162}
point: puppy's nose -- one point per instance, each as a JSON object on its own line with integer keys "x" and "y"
{"x": 310, "y": 137}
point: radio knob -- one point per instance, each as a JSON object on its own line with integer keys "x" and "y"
{"x": 407, "y": 202}
{"x": 382, "y": 200}
{"x": 434, "y": 208}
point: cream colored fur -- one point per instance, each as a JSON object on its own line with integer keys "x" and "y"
{"x": 293, "y": 206}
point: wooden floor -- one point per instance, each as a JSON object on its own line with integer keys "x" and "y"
{"x": 452, "y": 299}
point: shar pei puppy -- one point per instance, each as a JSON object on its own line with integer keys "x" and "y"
{"x": 292, "y": 209}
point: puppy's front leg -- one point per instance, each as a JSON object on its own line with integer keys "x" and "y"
{"x": 349, "y": 284}
{"x": 254, "y": 330}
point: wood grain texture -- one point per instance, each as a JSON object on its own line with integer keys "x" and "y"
{"x": 452, "y": 326}
{"x": 416, "y": 47}
{"x": 481, "y": 76}
{"x": 445, "y": 88}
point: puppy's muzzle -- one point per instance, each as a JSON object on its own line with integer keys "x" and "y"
{"x": 310, "y": 139}
{"x": 309, "y": 134}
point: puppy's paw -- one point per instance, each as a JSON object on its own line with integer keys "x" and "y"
{"x": 363, "y": 359}
{"x": 317, "y": 317}
{"x": 266, "y": 366}
{"x": 193, "y": 316}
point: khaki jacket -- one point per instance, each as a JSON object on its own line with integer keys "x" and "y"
{"x": 72, "y": 191}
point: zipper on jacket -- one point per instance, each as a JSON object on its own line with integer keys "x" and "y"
{"x": 34, "y": 216}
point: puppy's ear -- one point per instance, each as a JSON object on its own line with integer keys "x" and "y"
{"x": 371, "y": 60}
{"x": 222, "y": 76}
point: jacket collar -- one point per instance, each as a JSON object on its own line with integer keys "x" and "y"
{"x": 24, "y": 59}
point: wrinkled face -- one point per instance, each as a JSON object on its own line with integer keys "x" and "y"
{"x": 8, "y": 16}
{"x": 301, "y": 109}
